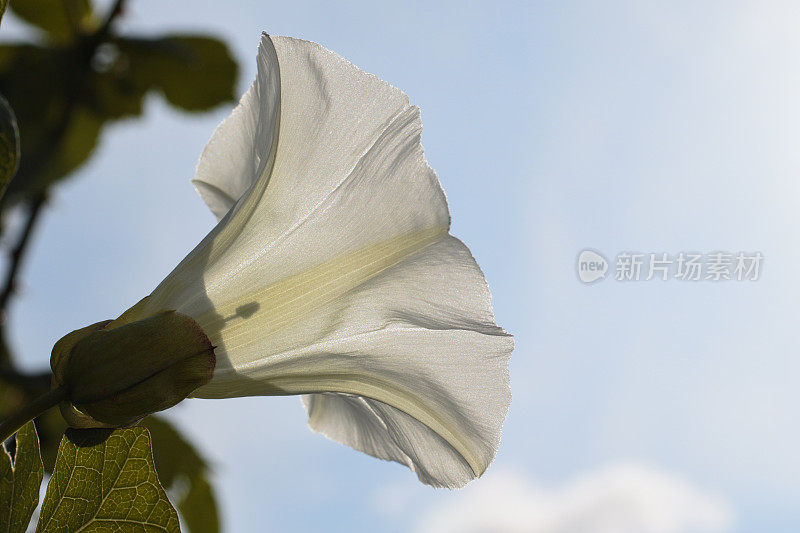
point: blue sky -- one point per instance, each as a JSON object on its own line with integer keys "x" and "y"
{"x": 654, "y": 127}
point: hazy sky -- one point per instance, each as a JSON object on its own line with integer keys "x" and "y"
{"x": 661, "y": 127}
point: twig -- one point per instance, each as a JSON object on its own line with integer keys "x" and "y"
{"x": 33, "y": 384}
{"x": 115, "y": 11}
{"x": 18, "y": 253}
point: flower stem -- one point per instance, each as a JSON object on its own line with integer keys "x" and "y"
{"x": 10, "y": 425}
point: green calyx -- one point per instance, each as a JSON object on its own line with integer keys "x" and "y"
{"x": 116, "y": 376}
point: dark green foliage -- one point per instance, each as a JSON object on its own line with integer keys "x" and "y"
{"x": 74, "y": 76}
{"x": 66, "y": 89}
{"x": 183, "y": 471}
{"x": 60, "y": 20}
{"x": 9, "y": 144}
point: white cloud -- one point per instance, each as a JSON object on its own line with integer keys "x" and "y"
{"x": 624, "y": 498}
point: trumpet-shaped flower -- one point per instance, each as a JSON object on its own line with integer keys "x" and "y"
{"x": 331, "y": 273}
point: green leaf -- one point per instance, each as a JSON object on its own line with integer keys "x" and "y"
{"x": 62, "y": 20}
{"x": 9, "y": 145}
{"x": 63, "y": 97}
{"x": 72, "y": 146}
{"x": 182, "y": 470}
{"x": 20, "y": 481}
{"x": 192, "y": 72}
{"x": 50, "y": 426}
{"x": 199, "y": 508}
{"x": 58, "y": 127}
{"x": 105, "y": 480}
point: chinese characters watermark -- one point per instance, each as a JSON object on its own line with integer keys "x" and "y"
{"x": 662, "y": 266}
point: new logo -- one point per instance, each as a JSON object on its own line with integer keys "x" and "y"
{"x": 591, "y": 266}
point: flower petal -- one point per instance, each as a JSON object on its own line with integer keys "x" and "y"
{"x": 333, "y": 272}
{"x": 416, "y": 339}
{"x": 448, "y": 366}
{"x": 244, "y": 143}
{"x": 318, "y": 114}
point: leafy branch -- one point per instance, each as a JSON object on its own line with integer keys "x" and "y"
{"x": 76, "y": 76}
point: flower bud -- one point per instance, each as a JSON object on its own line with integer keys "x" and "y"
{"x": 115, "y": 377}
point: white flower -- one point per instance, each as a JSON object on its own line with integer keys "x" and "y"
{"x": 332, "y": 273}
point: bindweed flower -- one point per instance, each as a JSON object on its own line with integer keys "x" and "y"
{"x": 332, "y": 275}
